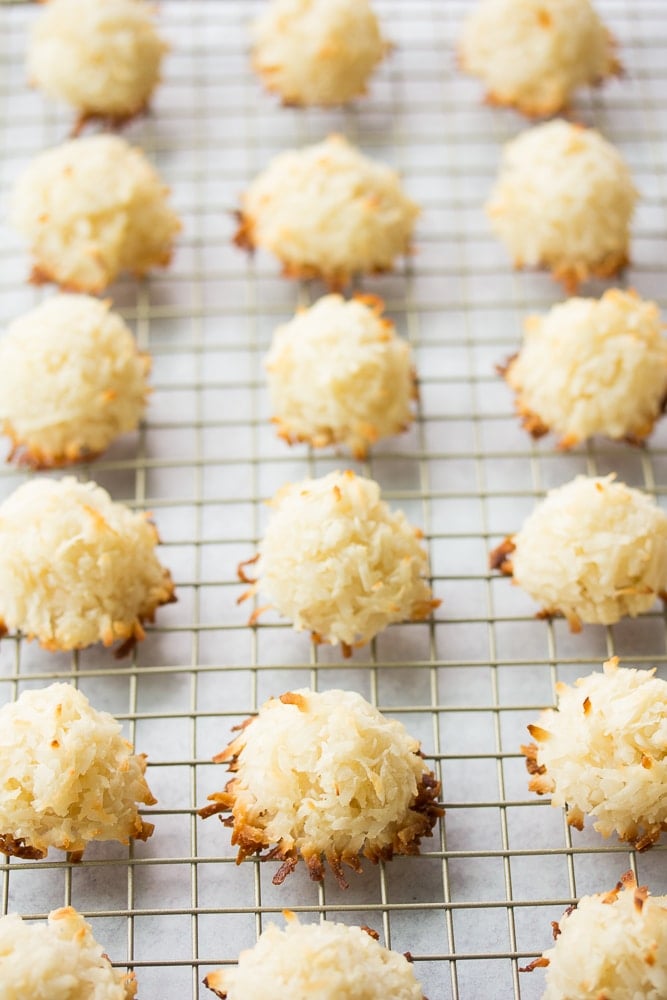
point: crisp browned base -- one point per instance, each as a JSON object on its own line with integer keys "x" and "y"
{"x": 336, "y": 280}
{"x": 41, "y": 274}
{"x": 251, "y": 841}
{"x": 641, "y": 837}
{"x": 110, "y": 123}
{"x": 419, "y": 612}
{"x": 536, "y": 427}
{"x": 135, "y": 630}
{"x": 532, "y": 108}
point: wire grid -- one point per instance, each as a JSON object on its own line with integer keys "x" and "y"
{"x": 478, "y": 902}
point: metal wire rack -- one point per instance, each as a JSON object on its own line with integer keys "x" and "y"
{"x": 478, "y": 902}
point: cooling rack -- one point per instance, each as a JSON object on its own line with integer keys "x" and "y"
{"x": 477, "y": 904}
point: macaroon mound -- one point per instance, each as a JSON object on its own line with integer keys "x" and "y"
{"x": 71, "y": 381}
{"x": 564, "y": 201}
{"x": 325, "y": 777}
{"x": 327, "y": 961}
{"x": 102, "y": 58}
{"x": 76, "y": 568}
{"x": 603, "y": 753}
{"x": 611, "y": 944}
{"x": 67, "y": 776}
{"x": 336, "y": 561}
{"x": 339, "y": 374}
{"x": 317, "y": 52}
{"x": 90, "y": 209}
{"x": 592, "y": 366}
{"x": 533, "y": 54}
{"x": 327, "y": 211}
{"x": 58, "y": 960}
{"x": 593, "y": 550}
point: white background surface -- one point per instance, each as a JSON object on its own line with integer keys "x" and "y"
{"x": 502, "y": 865}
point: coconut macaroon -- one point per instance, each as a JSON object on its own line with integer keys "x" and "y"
{"x": 58, "y": 960}
{"x": 90, "y": 209}
{"x": 71, "y": 381}
{"x": 611, "y": 944}
{"x": 339, "y": 374}
{"x": 533, "y": 54}
{"x": 603, "y": 753}
{"x": 67, "y": 776}
{"x": 564, "y": 200}
{"x": 592, "y": 367}
{"x": 593, "y": 550}
{"x": 327, "y": 211}
{"x": 326, "y": 961}
{"x": 102, "y": 57}
{"x": 317, "y": 52}
{"x": 326, "y": 777}
{"x": 337, "y": 561}
{"x": 77, "y": 568}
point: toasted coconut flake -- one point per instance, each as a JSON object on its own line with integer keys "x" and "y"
{"x": 310, "y": 209}
{"x": 498, "y": 557}
{"x": 326, "y": 961}
{"x": 364, "y": 391}
{"x": 533, "y": 212}
{"x": 594, "y": 551}
{"x": 610, "y": 945}
{"x": 336, "y": 561}
{"x": 67, "y": 776}
{"x": 592, "y": 367}
{"x": 611, "y": 762}
{"x": 533, "y": 54}
{"x": 325, "y": 777}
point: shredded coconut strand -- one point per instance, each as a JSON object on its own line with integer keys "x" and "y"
{"x": 564, "y": 200}
{"x": 76, "y": 568}
{"x": 592, "y": 367}
{"x": 593, "y": 550}
{"x": 102, "y": 57}
{"x": 71, "y": 380}
{"x": 90, "y": 209}
{"x": 533, "y": 54}
{"x": 325, "y": 776}
{"x": 327, "y": 961}
{"x": 57, "y": 960}
{"x": 338, "y": 373}
{"x": 603, "y": 753}
{"x": 328, "y": 211}
{"x": 336, "y": 561}
{"x": 317, "y": 52}
{"x": 612, "y": 944}
{"x": 67, "y": 776}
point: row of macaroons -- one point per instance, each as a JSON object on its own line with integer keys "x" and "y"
{"x": 104, "y": 59}
{"x": 617, "y": 938}
{"x": 72, "y": 378}
{"x": 84, "y": 226}
{"x": 94, "y": 207}
{"x": 77, "y": 568}
{"x": 326, "y": 778}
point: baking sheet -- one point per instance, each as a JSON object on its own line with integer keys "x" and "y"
{"x": 478, "y": 902}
